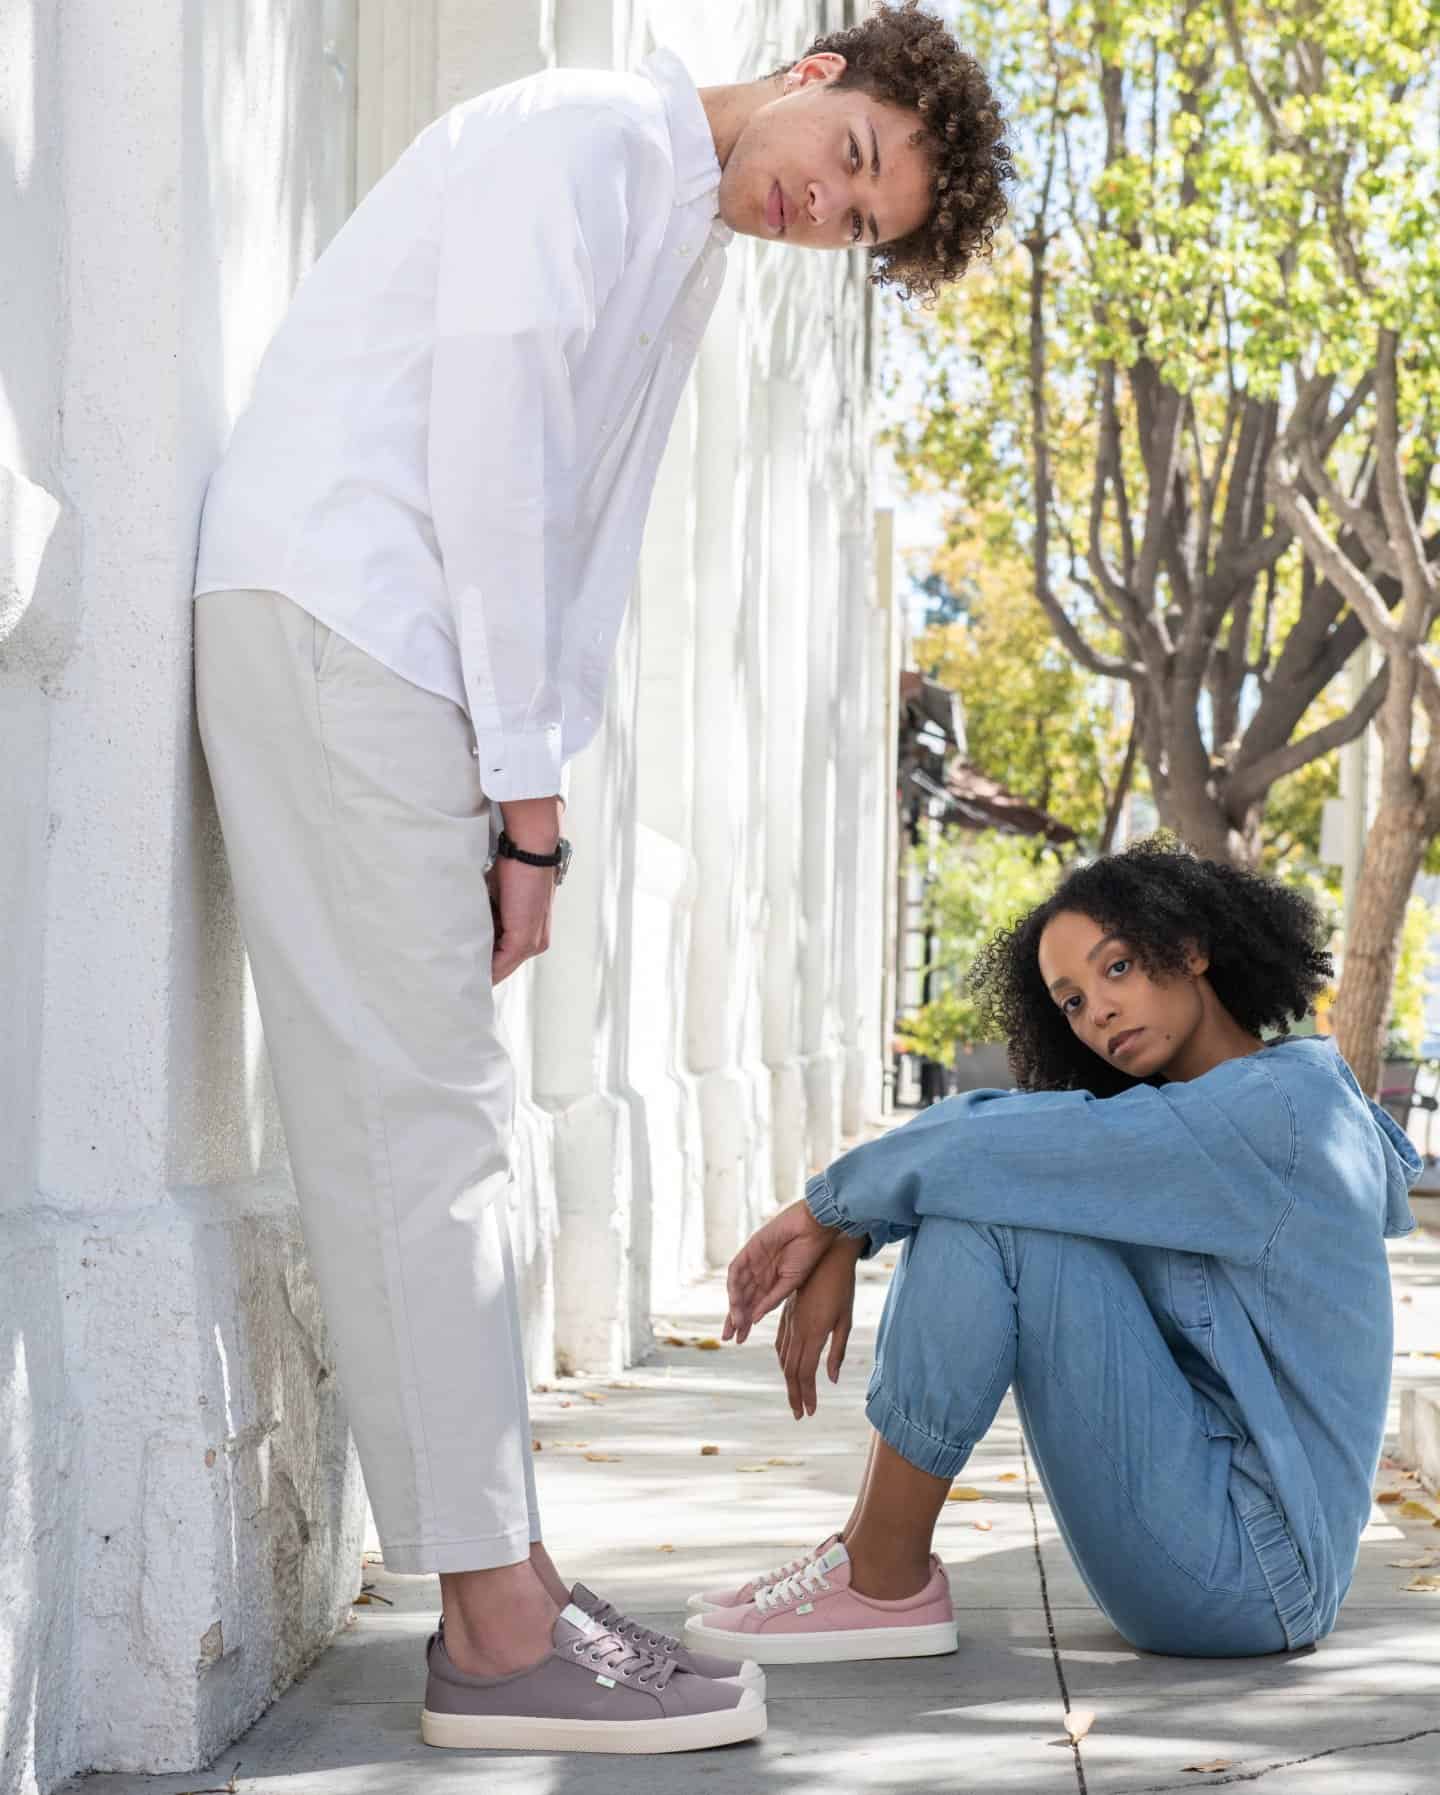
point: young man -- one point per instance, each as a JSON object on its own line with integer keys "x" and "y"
{"x": 413, "y": 564}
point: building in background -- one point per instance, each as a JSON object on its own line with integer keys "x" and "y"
{"x": 181, "y": 1513}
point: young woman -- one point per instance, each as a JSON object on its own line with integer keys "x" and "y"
{"x": 1168, "y": 1243}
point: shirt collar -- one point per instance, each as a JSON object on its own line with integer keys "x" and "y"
{"x": 697, "y": 168}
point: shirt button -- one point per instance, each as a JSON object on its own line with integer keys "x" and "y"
{"x": 644, "y": 336}
{"x": 683, "y": 250}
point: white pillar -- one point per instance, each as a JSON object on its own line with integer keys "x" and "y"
{"x": 786, "y": 798}
{"x": 717, "y": 973}
{"x": 183, "y": 1553}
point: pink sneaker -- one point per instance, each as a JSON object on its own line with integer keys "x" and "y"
{"x": 814, "y": 1617}
{"x": 729, "y": 1597}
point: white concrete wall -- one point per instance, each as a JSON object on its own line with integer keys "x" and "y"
{"x": 180, "y": 1509}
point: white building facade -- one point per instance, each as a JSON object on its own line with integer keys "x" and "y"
{"x": 181, "y": 1512}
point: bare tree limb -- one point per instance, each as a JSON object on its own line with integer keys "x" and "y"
{"x": 1248, "y": 784}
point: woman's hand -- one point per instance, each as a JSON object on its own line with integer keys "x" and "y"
{"x": 774, "y": 1261}
{"x": 820, "y": 1309}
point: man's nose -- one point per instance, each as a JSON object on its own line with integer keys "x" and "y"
{"x": 817, "y": 202}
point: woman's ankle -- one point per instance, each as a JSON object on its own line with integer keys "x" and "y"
{"x": 886, "y": 1576}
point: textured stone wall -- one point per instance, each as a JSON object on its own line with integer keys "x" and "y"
{"x": 180, "y": 1507}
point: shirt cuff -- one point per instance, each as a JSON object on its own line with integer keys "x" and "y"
{"x": 520, "y": 766}
{"x": 825, "y": 1207}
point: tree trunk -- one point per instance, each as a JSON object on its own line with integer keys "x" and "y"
{"x": 1394, "y": 848}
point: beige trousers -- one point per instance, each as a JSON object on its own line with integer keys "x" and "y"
{"x": 358, "y": 836}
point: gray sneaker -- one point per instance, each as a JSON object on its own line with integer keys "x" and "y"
{"x": 744, "y": 1671}
{"x": 592, "y": 1691}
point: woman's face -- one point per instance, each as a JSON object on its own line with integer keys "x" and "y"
{"x": 1135, "y": 1023}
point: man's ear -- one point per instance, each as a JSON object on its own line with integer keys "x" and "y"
{"x": 824, "y": 65}
{"x": 1196, "y": 961}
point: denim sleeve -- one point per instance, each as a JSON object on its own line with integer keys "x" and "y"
{"x": 1179, "y": 1166}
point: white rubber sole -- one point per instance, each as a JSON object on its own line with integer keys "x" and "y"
{"x": 751, "y": 1677}
{"x": 828, "y": 1648}
{"x": 520, "y": 1732}
{"x": 698, "y": 1605}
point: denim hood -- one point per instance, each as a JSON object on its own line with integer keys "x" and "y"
{"x": 1403, "y": 1164}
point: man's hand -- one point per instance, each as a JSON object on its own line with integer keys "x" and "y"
{"x": 820, "y": 1309}
{"x": 520, "y": 895}
{"x": 774, "y": 1261}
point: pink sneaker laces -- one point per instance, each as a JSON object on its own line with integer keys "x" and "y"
{"x": 789, "y": 1590}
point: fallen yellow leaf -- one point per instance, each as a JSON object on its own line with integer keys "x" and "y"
{"x": 1210, "y": 1764}
{"x": 535, "y": 1446}
{"x": 664, "y": 1548}
{"x": 1078, "y": 1722}
{"x": 1417, "y": 1511}
{"x": 592, "y": 1396}
{"x": 784, "y": 1461}
{"x": 1423, "y": 1563}
{"x": 671, "y": 1340}
{"x": 750, "y": 1467}
{"x": 1008, "y": 1477}
{"x": 708, "y": 1345}
{"x": 708, "y": 1451}
{"x": 603, "y": 1458}
{"x": 1387, "y": 1496}
{"x": 1427, "y": 1583}
{"x": 963, "y": 1493}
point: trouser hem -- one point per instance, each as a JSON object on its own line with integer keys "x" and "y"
{"x": 488, "y": 1553}
{"x": 941, "y": 1458}
{"x": 1284, "y": 1574}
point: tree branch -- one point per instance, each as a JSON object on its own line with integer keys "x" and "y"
{"x": 1248, "y": 784}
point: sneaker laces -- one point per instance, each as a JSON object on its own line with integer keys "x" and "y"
{"x": 619, "y": 1656}
{"x": 792, "y": 1589}
{"x": 768, "y": 1579}
{"x": 610, "y": 1616}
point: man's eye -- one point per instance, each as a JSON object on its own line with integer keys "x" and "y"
{"x": 1120, "y": 966}
{"x": 858, "y": 231}
{"x": 1065, "y": 1003}
{"x": 855, "y": 151}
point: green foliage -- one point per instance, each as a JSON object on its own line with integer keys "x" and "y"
{"x": 979, "y": 883}
{"x": 1228, "y": 197}
{"x": 1406, "y": 1028}
{"x": 1033, "y": 718}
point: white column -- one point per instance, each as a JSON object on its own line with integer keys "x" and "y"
{"x": 178, "y": 1558}
{"x": 665, "y": 882}
{"x": 786, "y": 799}
{"x": 717, "y": 972}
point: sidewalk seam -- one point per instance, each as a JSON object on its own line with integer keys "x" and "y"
{"x": 1049, "y": 1612}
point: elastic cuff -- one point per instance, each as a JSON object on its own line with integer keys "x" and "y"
{"x": 820, "y": 1200}
{"x": 826, "y": 1210}
{"x": 924, "y": 1450}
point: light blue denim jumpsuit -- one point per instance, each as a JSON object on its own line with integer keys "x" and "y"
{"x": 1187, "y": 1290}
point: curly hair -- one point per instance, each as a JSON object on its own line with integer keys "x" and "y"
{"x": 903, "y": 56}
{"x": 1264, "y": 941}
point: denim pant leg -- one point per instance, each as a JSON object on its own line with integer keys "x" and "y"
{"x": 1137, "y": 1479}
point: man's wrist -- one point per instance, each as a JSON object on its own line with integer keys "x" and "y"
{"x": 532, "y": 823}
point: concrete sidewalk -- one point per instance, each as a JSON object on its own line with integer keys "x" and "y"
{"x": 646, "y": 1518}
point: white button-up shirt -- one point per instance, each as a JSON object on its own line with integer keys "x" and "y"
{"x": 455, "y": 433}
